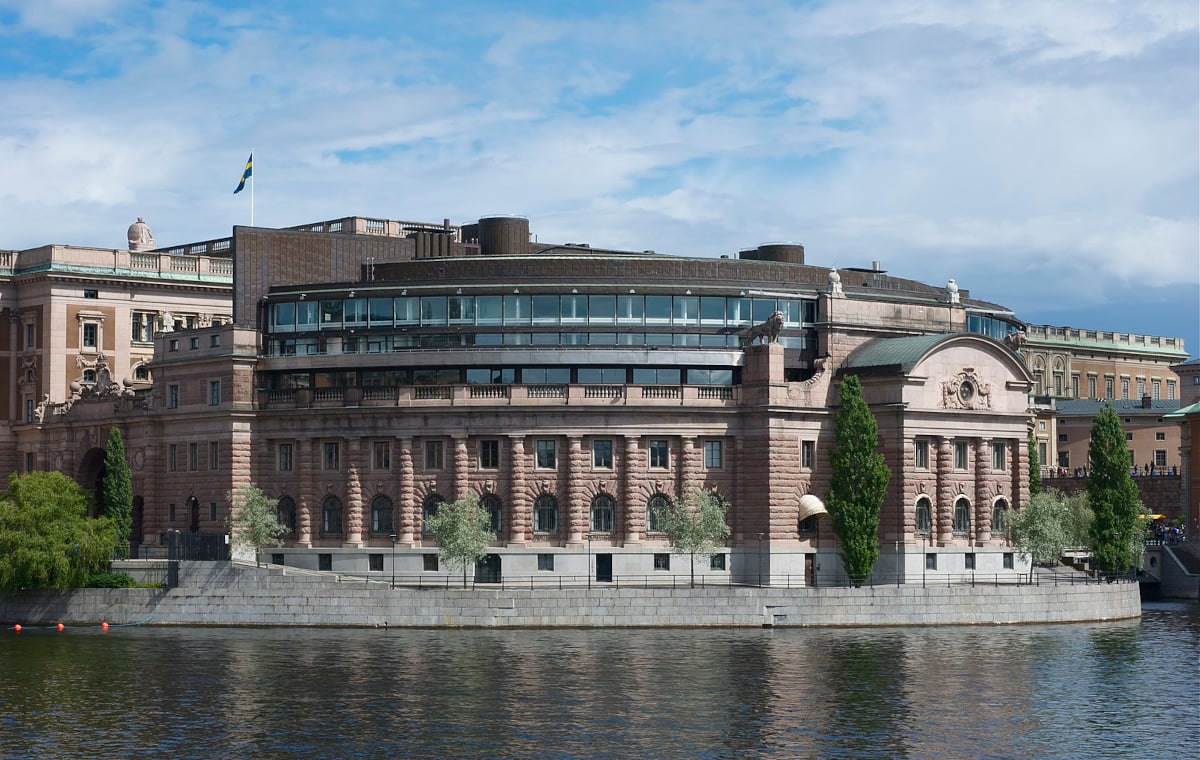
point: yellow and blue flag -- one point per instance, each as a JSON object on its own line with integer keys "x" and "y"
{"x": 246, "y": 174}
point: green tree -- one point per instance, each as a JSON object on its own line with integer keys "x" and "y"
{"x": 1035, "y": 467}
{"x": 254, "y": 520}
{"x": 1113, "y": 496}
{"x": 116, "y": 490}
{"x": 1078, "y": 527}
{"x": 47, "y": 539}
{"x": 1039, "y": 531}
{"x": 695, "y": 524}
{"x": 859, "y": 482}
{"x": 462, "y": 530}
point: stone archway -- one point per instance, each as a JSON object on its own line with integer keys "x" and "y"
{"x": 90, "y": 476}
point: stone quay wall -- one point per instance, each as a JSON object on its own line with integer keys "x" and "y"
{"x": 227, "y": 594}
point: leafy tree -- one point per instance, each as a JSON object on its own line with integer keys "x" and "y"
{"x": 1035, "y": 467}
{"x": 47, "y": 539}
{"x": 1039, "y": 531}
{"x": 859, "y": 482}
{"x": 116, "y": 490}
{"x": 1113, "y": 496}
{"x": 1078, "y": 527}
{"x": 462, "y": 530}
{"x": 695, "y": 524}
{"x": 253, "y": 519}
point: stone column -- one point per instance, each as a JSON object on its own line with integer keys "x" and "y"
{"x": 944, "y": 517}
{"x": 520, "y": 508}
{"x": 354, "y": 503}
{"x": 691, "y": 469}
{"x": 982, "y": 524}
{"x": 578, "y": 513}
{"x": 462, "y": 469}
{"x": 406, "y": 490}
{"x": 305, "y": 464}
{"x": 633, "y": 511}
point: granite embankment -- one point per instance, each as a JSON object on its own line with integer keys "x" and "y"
{"x": 223, "y": 593}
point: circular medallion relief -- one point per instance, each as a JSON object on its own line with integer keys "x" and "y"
{"x": 966, "y": 391}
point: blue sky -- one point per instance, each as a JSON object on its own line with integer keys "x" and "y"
{"x": 1044, "y": 155}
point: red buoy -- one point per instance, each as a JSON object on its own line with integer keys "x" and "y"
{"x": 61, "y": 626}
{"x": 17, "y": 627}
{"x": 104, "y": 626}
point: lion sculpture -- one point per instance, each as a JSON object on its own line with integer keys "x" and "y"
{"x": 767, "y": 332}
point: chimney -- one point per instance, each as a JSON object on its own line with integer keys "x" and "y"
{"x": 1145, "y": 402}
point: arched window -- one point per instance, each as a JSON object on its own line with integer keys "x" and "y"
{"x": 491, "y": 505}
{"x": 331, "y": 516}
{"x": 603, "y": 509}
{"x": 141, "y": 373}
{"x": 285, "y": 511}
{"x": 382, "y": 510}
{"x": 429, "y": 508}
{"x": 655, "y": 509}
{"x": 924, "y": 518}
{"x": 89, "y": 376}
{"x": 545, "y": 514}
{"x": 1000, "y": 516}
{"x": 962, "y": 515}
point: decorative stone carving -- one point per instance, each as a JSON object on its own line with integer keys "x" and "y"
{"x": 140, "y": 237}
{"x": 1016, "y": 340}
{"x": 966, "y": 391}
{"x": 952, "y": 291}
{"x": 767, "y": 332}
{"x": 835, "y": 284}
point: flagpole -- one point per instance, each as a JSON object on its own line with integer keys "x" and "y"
{"x": 252, "y": 191}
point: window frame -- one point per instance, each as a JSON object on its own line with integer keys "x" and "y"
{"x": 602, "y": 454}
{"x": 434, "y": 454}
{"x": 921, "y": 454}
{"x": 489, "y": 454}
{"x": 545, "y": 515}
{"x": 658, "y": 454}
{"x": 283, "y": 457}
{"x": 714, "y": 454}
{"x": 545, "y": 454}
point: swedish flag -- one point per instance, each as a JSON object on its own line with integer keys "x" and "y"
{"x": 246, "y": 174}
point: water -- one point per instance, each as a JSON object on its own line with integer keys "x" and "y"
{"x": 1117, "y": 690}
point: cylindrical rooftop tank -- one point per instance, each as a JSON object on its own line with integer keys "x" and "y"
{"x": 503, "y": 236}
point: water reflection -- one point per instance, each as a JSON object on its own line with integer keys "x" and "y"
{"x": 1038, "y": 691}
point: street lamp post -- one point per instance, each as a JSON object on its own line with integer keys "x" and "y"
{"x": 589, "y": 567}
{"x": 393, "y": 537}
{"x": 760, "y": 538}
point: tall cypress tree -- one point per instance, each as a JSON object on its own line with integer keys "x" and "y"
{"x": 1035, "y": 467}
{"x": 859, "y": 482}
{"x": 116, "y": 490}
{"x": 1113, "y": 495}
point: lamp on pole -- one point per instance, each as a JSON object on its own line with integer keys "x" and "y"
{"x": 393, "y": 537}
{"x": 760, "y": 538}
{"x": 589, "y": 564}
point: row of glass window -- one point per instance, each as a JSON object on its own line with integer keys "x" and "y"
{"x": 962, "y": 455}
{"x": 377, "y": 344}
{"x": 545, "y": 456}
{"x": 602, "y": 512}
{"x": 961, "y": 522}
{"x": 542, "y": 309}
{"x": 384, "y": 378}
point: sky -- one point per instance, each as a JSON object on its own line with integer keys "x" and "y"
{"x": 1045, "y": 155}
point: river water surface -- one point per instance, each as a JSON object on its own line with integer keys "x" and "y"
{"x": 1127, "y": 689}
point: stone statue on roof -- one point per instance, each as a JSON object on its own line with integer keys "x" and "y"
{"x": 140, "y": 236}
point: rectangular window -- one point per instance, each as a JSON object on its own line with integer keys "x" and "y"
{"x": 1170, "y": 390}
{"x": 171, "y": 512}
{"x": 999, "y": 456}
{"x": 1160, "y": 457}
{"x": 29, "y": 336}
{"x": 28, "y": 410}
{"x": 545, "y": 455}
{"x": 331, "y": 456}
{"x": 1124, "y": 388}
{"x": 1141, "y": 387}
{"x": 922, "y": 455}
{"x": 1074, "y": 386}
{"x": 375, "y": 563}
{"x": 276, "y": 559}
{"x": 325, "y": 562}
{"x": 1091, "y": 387}
{"x": 713, "y": 455}
{"x": 545, "y": 562}
{"x": 969, "y": 560}
{"x": 659, "y": 456}
{"x": 1155, "y": 388}
{"x": 1062, "y": 437}
{"x": 716, "y": 562}
{"x": 172, "y": 396}
{"x": 808, "y": 454}
{"x": 489, "y": 454}
{"x": 429, "y": 563}
{"x": 602, "y": 454}
{"x": 662, "y": 561}
{"x": 1008, "y": 560}
{"x": 214, "y": 340}
{"x": 381, "y": 455}
{"x": 960, "y": 455}
{"x": 214, "y": 392}
{"x": 435, "y": 455}
{"x": 193, "y": 456}
{"x": 173, "y": 457}
{"x": 173, "y": 345}
{"x": 212, "y": 511}
{"x": 931, "y": 562}
{"x": 1129, "y": 436}
{"x": 283, "y": 457}
{"x": 91, "y": 334}
{"x": 214, "y": 460}
{"x": 28, "y": 461}
{"x": 1160, "y": 436}
{"x": 194, "y": 343}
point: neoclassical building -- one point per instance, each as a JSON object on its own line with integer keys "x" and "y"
{"x": 374, "y": 369}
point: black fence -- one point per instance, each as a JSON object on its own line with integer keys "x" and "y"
{"x": 202, "y": 547}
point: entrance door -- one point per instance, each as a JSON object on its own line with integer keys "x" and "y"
{"x": 810, "y": 573}
{"x": 487, "y": 570}
{"x": 604, "y": 568}
{"x": 194, "y": 508}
